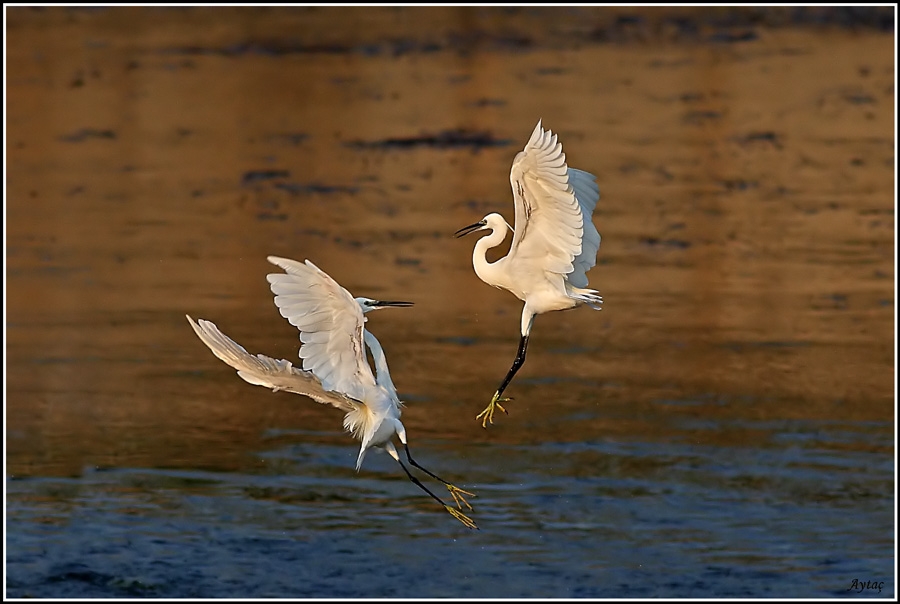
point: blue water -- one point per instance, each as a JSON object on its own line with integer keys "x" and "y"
{"x": 588, "y": 519}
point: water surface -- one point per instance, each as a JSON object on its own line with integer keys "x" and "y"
{"x": 724, "y": 427}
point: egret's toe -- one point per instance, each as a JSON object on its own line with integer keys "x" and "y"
{"x": 461, "y": 517}
{"x": 488, "y": 414}
{"x": 458, "y": 496}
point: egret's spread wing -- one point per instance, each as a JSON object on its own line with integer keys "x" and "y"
{"x": 261, "y": 370}
{"x": 330, "y": 323}
{"x": 548, "y": 217}
{"x": 587, "y": 194}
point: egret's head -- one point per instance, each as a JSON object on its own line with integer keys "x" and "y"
{"x": 491, "y": 221}
{"x": 367, "y": 304}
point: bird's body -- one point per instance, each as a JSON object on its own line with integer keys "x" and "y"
{"x": 335, "y": 370}
{"x": 554, "y": 243}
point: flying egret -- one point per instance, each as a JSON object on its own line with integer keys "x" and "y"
{"x": 554, "y": 243}
{"x": 335, "y": 370}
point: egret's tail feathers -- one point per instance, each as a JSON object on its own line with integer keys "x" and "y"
{"x": 356, "y": 422}
{"x": 359, "y": 422}
{"x": 588, "y": 296}
{"x": 362, "y": 455}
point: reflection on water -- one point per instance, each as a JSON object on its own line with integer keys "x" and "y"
{"x": 724, "y": 427}
{"x": 590, "y": 519}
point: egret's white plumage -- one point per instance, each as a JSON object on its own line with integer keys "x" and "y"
{"x": 334, "y": 370}
{"x": 554, "y": 242}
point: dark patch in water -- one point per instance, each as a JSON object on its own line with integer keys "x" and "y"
{"x": 408, "y": 261}
{"x": 407, "y": 46}
{"x": 760, "y": 137}
{"x": 87, "y": 133}
{"x": 449, "y": 139}
{"x": 488, "y": 103}
{"x": 839, "y": 300}
{"x": 299, "y": 189}
{"x": 855, "y": 17}
{"x": 685, "y": 28}
{"x": 474, "y": 41}
{"x": 720, "y": 25}
{"x": 253, "y": 176}
{"x": 275, "y": 48}
{"x": 671, "y": 243}
{"x": 468, "y": 42}
{"x": 699, "y": 117}
{"x": 625, "y": 28}
{"x": 271, "y": 216}
{"x": 859, "y": 98}
{"x": 86, "y": 576}
{"x": 730, "y": 25}
{"x": 880, "y": 18}
{"x": 260, "y": 176}
{"x": 458, "y": 340}
{"x": 739, "y": 184}
{"x": 550, "y": 71}
{"x": 729, "y": 37}
{"x": 294, "y": 138}
{"x": 741, "y": 346}
{"x": 79, "y": 573}
{"x": 285, "y": 495}
{"x": 691, "y": 97}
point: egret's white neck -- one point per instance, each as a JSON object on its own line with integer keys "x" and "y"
{"x": 490, "y": 272}
{"x": 383, "y": 376}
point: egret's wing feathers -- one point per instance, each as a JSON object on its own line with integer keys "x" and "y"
{"x": 587, "y": 194}
{"x": 261, "y": 370}
{"x": 330, "y": 323}
{"x": 548, "y": 217}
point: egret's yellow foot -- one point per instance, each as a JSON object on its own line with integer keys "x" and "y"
{"x": 461, "y": 517}
{"x": 458, "y": 493}
{"x": 488, "y": 414}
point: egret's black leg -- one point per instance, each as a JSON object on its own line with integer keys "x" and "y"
{"x": 419, "y": 484}
{"x": 520, "y": 359}
{"x": 453, "y": 511}
{"x": 488, "y": 414}
{"x": 455, "y": 491}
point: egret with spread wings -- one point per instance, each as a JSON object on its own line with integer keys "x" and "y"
{"x": 554, "y": 242}
{"x": 335, "y": 370}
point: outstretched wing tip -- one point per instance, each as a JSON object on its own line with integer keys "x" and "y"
{"x": 536, "y": 135}
{"x": 197, "y": 325}
{"x": 552, "y": 203}
{"x": 261, "y": 370}
{"x": 280, "y": 262}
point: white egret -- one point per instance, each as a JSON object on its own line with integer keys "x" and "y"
{"x": 554, "y": 242}
{"x": 335, "y": 370}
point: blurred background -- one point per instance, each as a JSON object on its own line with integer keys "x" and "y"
{"x": 724, "y": 427}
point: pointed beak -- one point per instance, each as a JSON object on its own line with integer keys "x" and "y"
{"x": 469, "y": 229}
{"x": 394, "y": 303}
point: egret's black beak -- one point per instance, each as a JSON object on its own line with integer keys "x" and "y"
{"x": 387, "y": 303}
{"x": 469, "y": 229}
